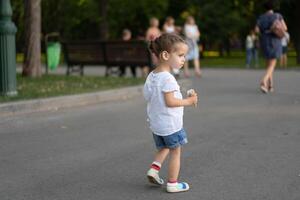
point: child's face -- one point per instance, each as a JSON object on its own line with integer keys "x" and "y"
{"x": 177, "y": 57}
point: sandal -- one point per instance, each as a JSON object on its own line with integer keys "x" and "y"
{"x": 263, "y": 88}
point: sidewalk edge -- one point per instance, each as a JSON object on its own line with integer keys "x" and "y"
{"x": 56, "y": 103}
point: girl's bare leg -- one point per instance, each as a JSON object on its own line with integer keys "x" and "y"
{"x": 161, "y": 155}
{"x": 174, "y": 164}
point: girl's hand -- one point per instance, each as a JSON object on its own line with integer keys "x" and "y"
{"x": 193, "y": 97}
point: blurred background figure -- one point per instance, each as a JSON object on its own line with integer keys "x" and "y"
{"x": 151, "y": 34}
{"x": 153, "y": 31}
{"x": 270, "y": 44}
{"x": 169, "y": 27}
{"x": 192, "y": 35}
{"x": 284, "y": 42}
{"x": 251, "y": 49}
{"x": 126, "y": 36}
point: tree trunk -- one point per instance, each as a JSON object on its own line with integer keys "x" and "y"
{"x": 103, "y": 26}
{"x": 32, "y": 54}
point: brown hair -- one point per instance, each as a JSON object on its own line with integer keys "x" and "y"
{"x": 165, "y": 42}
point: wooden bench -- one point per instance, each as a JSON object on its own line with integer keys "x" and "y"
{"x": 105, "y": 53}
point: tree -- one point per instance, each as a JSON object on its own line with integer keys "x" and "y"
{"x": 291, "y": 12}
{"x": 103, "y": 25}
{"x": 32, "y": 54}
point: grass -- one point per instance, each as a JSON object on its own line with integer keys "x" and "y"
{"x": 58, "y": 85}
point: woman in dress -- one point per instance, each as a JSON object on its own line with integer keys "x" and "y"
{"x": 270, "y": 44}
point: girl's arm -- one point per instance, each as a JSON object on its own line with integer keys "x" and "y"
{"x": 171, "y": 101}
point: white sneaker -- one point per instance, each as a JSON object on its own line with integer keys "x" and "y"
{"x": 153, "y": 177}
{"x": 177, "y": 187}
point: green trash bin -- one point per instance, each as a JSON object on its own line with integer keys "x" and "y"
{"x": 53, "y": 55}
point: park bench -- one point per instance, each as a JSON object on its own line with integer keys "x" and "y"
{"x": 109, "y": 54}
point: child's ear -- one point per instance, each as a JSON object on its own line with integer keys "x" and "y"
{"x": 165, "y": 55}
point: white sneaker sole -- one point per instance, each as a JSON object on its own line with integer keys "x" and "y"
{"x": 175, "y": 189}
{"x": 154, "y": 178}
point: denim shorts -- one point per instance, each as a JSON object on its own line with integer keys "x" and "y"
{"x": 171, "y": 141}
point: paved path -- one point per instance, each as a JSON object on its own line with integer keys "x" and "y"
{"x": 243, "y": 145}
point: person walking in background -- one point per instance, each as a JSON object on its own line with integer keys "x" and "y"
{"x": 165, "y": 109}
{"x": 251, "y": 49}
{"x": 126, "y": 36}
{"x": 270, "y": 44}
{"x": 151, "y": 34}
{"x": 169, "y": 27}
{"x": 284, "y": 42}
{"x": 153, "y": 31}
{"x": 192, "y": 35}
{"x": 256, "y": 49}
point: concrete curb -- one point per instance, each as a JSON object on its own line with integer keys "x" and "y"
{"x": 56, "y": 103}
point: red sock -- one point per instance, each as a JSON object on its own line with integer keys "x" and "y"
{"x": 172, "y": 181}
{"x": 156, "y": 166}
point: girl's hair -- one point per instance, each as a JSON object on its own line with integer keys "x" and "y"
{"x": 165, "y": 42}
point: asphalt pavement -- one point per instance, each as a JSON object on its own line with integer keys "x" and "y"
{"x": 243, "y": 145}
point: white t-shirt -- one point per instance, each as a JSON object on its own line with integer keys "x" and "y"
{"x": 169, "y": 29}
{"x": 191, "y": 31}
{"x": 163, "y": 120}
{"x": 249, "y": 42}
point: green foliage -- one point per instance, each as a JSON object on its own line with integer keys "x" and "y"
{"x": 74, "y": 19}
{"x": 134, "y": 15}
{"x": 218, "y": 20}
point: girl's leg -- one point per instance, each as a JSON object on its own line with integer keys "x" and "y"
{"x": 161, "y": 155}
{"x": 174, "y": 164}
{"x": 153, "y": 172}
{"x": 174, "y": 168}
